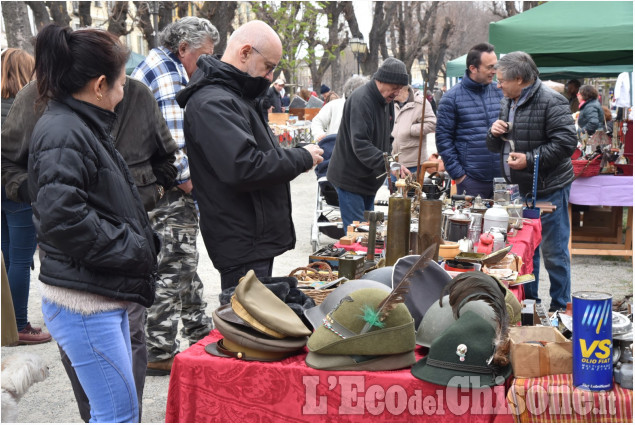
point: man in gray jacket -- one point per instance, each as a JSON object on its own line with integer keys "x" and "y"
{"x": 535, "y": 120}
{"x": 144, "y": 141}
{"x": 363, "y": 138}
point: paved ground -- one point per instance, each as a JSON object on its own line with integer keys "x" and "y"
{"x": 53, "y": 401}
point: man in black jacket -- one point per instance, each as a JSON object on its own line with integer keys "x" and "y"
{"x": 236, "y": 162}
{"x": 144, "y": 141}
{"x": 535, "y": 120}
{"x": 363, "y": 137}
{"x": 275, "y": 95}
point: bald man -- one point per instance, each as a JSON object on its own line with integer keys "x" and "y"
{"x": 241, "y": 172}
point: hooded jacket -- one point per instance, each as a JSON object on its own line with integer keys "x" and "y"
{"x": 464, "y": 115}
{"x": 140, "y": 135}
{"x": 363, "y": 138}
{"x": 542, "y": 124}
{"x": 407, "y": 129}
{"x": 90, "y": 222}
{"x": 240, "y": 172}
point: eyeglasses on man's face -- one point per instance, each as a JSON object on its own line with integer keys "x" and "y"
{"x": 270, "y": 66}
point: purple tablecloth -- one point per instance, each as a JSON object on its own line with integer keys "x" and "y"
{"x": 614, "y": 191}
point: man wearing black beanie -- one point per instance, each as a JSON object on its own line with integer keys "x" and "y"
{"x": 363, "y": 137}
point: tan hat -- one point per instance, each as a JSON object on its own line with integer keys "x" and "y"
{"x": 264, "y": 311}
{"x": 242, "y": 342}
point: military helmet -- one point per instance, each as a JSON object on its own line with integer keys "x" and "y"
{"x": 439, "y": 317}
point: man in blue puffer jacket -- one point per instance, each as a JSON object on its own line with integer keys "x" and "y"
{"x": 464, "y": 115}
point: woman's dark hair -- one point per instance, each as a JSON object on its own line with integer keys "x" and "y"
{"x": 66, "y": 60}
{"x": 588, "y": 92}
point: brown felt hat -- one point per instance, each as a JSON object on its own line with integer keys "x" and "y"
{"x": 243, "y": 342}
{"x": 264, "y": 311}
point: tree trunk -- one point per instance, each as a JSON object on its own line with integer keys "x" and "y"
{"x": 40, "y": 14}
{"x": 16, "y": 23}
{"x": 144, "y": 23}
{"x": 165, "y": 14}
{"x": 117, "y": 19}
{"x": 221, "y": 15}
{"x": 382, "y": 17}
{"x": 85, "y": 20}
{"x": 182, "y": 8}
{"x": 59, "y": 13}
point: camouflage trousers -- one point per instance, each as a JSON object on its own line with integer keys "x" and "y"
{"x": 179, "y": 292}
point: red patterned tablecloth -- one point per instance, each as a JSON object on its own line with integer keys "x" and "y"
{"x": 553, "y": 398}
{"x": 205, "y": 388}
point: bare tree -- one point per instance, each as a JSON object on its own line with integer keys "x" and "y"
{"x": 165, "y": 13}
{"x": 505, "y": 9}
{"x": 412, "y": 29}
{"x": 221, "y": 14}
{"x": 182, "y": 8}
{"x": 41, "y": 15}
{"x": 144, "y": 23}
{"x": 59, "y": 13}
{"x": 83, "y": 11}
{"x": 16, "y": 23}
{"x": 382, "y": 17}
{"x": 117, "y": 19}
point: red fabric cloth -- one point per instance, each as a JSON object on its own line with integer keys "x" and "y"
{"x": 205, "y": 388}
{"x": 553, "y": 398}
{"x": 524, "y": 244}
{"x": 357, "y": 247}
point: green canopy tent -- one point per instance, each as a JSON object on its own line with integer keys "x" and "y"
{"x": 134, "y": 60}
{"x": 571, "y": 39}
{"x": 456, "y": 67}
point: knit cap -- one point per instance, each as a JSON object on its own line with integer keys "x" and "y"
{"x": 392, "y": 71}
{"x": 324, "y": 89}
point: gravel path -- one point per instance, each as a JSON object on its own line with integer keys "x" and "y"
{"x": 53, "y": 400}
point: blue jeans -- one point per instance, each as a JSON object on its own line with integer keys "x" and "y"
{"x": 555, "y": 250}
{"x": 98, "y": 346}
{"x": 353, "y": 205}
{"x": 475, "y": 187}
{"x": 18, "y": 247}
{"x": 230, "y": 276}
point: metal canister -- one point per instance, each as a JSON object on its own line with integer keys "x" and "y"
{"x": 592, "y": 341}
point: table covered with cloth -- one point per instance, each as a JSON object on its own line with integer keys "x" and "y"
{"x": 524, "y": 243}
{"x": 553, "y": 398}
{"x": 205, "y": 388}
{"x": 607, "y": 190}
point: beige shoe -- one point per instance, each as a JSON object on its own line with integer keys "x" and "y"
{"x": 160, "y": 368}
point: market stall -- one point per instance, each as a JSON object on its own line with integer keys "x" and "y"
{"x": 205, "y": 389}
{"x": 599, "y": 230}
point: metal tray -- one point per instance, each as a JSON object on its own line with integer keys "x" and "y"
{"x": 485, "y": 259}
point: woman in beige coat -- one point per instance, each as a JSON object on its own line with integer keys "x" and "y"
{"x": 407, "y": 128}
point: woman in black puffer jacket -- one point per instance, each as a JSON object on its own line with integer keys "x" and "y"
{"x": 591, "y": 116}
{"x": 99, "y": 251}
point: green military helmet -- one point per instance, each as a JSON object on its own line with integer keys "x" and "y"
{"x": 462, "y": 356}
{"x": 339, "y": 333}
{"x": 439, "y": 317}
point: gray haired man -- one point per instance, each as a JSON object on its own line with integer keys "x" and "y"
{"x": 167, "y": 70}
{"x": 539, "y": 122}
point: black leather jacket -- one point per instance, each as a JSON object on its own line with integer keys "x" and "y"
{"x": 542, "y": 124}
{"x": 140, "y": 133}
{"x": 87, "y": 212}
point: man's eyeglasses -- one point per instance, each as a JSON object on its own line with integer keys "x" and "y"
{"x": 270, "y": 67}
